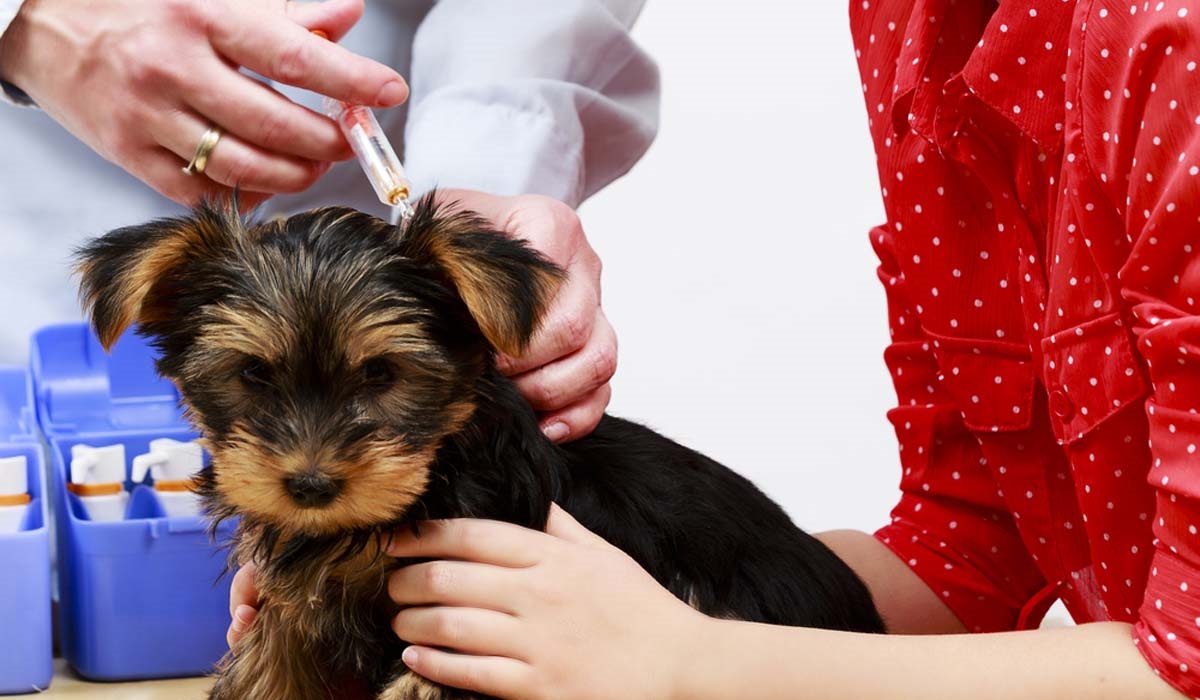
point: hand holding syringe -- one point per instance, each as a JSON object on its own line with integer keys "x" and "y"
{"x": 374, "y": 152}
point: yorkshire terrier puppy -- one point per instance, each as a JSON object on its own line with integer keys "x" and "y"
{"x": 342, "y": 373}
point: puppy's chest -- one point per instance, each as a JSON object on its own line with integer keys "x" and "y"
{"x": 341, "y": 604}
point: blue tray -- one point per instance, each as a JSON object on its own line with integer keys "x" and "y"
{"x": 26, "y": 645}
{"x": 144, "y": 597}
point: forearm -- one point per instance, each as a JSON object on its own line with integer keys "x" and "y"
{"x": 925, "y": 656}
{"x": 1090, "y": 662}
{"x": 906, "y": 604}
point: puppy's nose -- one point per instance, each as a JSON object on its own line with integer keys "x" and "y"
{"x": 312, "y": 490}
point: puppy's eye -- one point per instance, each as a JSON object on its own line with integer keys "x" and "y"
{"x": 378, "y": 373}
{"x": 256, "y": 373}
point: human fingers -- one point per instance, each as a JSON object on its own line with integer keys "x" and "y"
{"x": 233, "y": 162}
{"x": 567, "y": 379}
{"x": 333, "y": 17}
{"x": 242, "y": 618}
{"x": 455, "y": 583}
{"x": 261, "y": 116}
{"x": 465, "y": 630}
{"x": 289, "y": 53}
{"x": 566, "y": 327}
{"x": 564, "y": 526}
{"x": 491, "y": 675}
{"x": 243, "y": 590}
{"x": 470, "y": 539}
{"x": 579, "y": 419}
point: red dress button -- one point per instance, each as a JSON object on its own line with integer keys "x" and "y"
{"x": 1060, "y": 405}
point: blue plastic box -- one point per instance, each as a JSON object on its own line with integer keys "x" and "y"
{"x": 26, "y": 643}
{"x": 143, "y": 597}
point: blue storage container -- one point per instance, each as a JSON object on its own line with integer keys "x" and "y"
{"x": 143, "y": 597}
{"x": 26, "y": 645}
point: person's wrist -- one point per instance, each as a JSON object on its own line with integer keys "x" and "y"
{"x": 13, "y": 46}
{"x": 694, "y": 649}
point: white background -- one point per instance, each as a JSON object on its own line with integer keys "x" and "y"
{"x": 738, "y": 272}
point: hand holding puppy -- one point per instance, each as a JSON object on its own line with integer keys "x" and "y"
{"x": 141, "y": 82}
{"x": 559, "y": 614}
{"x": 565, "y": 372}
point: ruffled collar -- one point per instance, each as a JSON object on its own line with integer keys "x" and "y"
{"x": 1010, "y": 56}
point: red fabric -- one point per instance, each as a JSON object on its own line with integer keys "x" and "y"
{"x": 1040, "y": 168}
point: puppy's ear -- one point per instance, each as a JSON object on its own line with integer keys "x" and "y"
{"x": 505, "y": 284}
{"x": 129, "y": 275}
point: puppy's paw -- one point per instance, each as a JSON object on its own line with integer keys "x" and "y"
{"x": 410, "y": 686}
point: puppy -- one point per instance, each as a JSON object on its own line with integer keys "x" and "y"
{"x": 342, "y": 373}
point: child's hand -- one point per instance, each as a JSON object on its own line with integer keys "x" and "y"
{"x": 243, "y": 596}
{"x": 559, "y": 614}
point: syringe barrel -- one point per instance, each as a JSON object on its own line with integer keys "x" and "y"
{"x": 374, "y": 152}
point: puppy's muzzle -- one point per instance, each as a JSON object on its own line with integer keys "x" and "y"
{"x": 312, "y": 490}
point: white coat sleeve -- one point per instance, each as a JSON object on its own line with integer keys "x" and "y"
{"x": 547, "y": 97}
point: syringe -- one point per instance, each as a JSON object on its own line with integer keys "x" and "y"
{"x": 373, "y": 150}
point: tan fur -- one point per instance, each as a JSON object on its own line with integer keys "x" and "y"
{"x": 195, "y": 238}
{"x": 379, "y": 488}
{"x": 412, "y": 687}
{"x": 380, "y": 334}
{"x": 250, "y": 331}
{"x": 274, "y": 659}
{"x": 268, "y": 663}
{"x": 476, "y": 284}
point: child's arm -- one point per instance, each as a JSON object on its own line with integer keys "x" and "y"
{"x": 563, "y": 614}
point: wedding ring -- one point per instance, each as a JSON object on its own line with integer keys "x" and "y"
{"x": 207, "y": 143}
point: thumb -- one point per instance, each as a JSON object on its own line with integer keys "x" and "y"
{"x": 334, "y": 17}
{"x": 560, "y": 524}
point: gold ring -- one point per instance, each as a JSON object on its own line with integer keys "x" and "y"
{"x": 207, "y": 143}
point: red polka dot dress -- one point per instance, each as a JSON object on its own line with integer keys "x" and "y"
{"x": 1040, "y": 168}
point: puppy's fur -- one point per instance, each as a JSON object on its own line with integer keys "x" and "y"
{"x": 342, "y": 372}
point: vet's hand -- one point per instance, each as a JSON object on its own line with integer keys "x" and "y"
{"x": 566, "y": 371}
{"x": 140, "y": 83}
{"x": 560, "y": 614}
{"x": 243, "y": 597}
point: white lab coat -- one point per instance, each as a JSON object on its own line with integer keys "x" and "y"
{"x": 508, "y": 96}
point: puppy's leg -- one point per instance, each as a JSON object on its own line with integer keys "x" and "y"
{"x": 269, "y": 663}
{"x": 409, "y": 686}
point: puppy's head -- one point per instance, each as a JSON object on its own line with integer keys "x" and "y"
{"x": 325, "y": 356}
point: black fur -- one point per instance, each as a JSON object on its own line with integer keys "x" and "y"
{"x": 702, "y": 531}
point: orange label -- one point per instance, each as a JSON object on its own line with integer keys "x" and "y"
{"x": 94, "y": 489}
{"x": 183, "y": 485}
{"x": 16, "y": 499}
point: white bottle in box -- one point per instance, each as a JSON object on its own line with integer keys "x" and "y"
{"x": 174, "y": 466}
{"x": 14, "y": 493}
{"x": 98, "y": 478}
